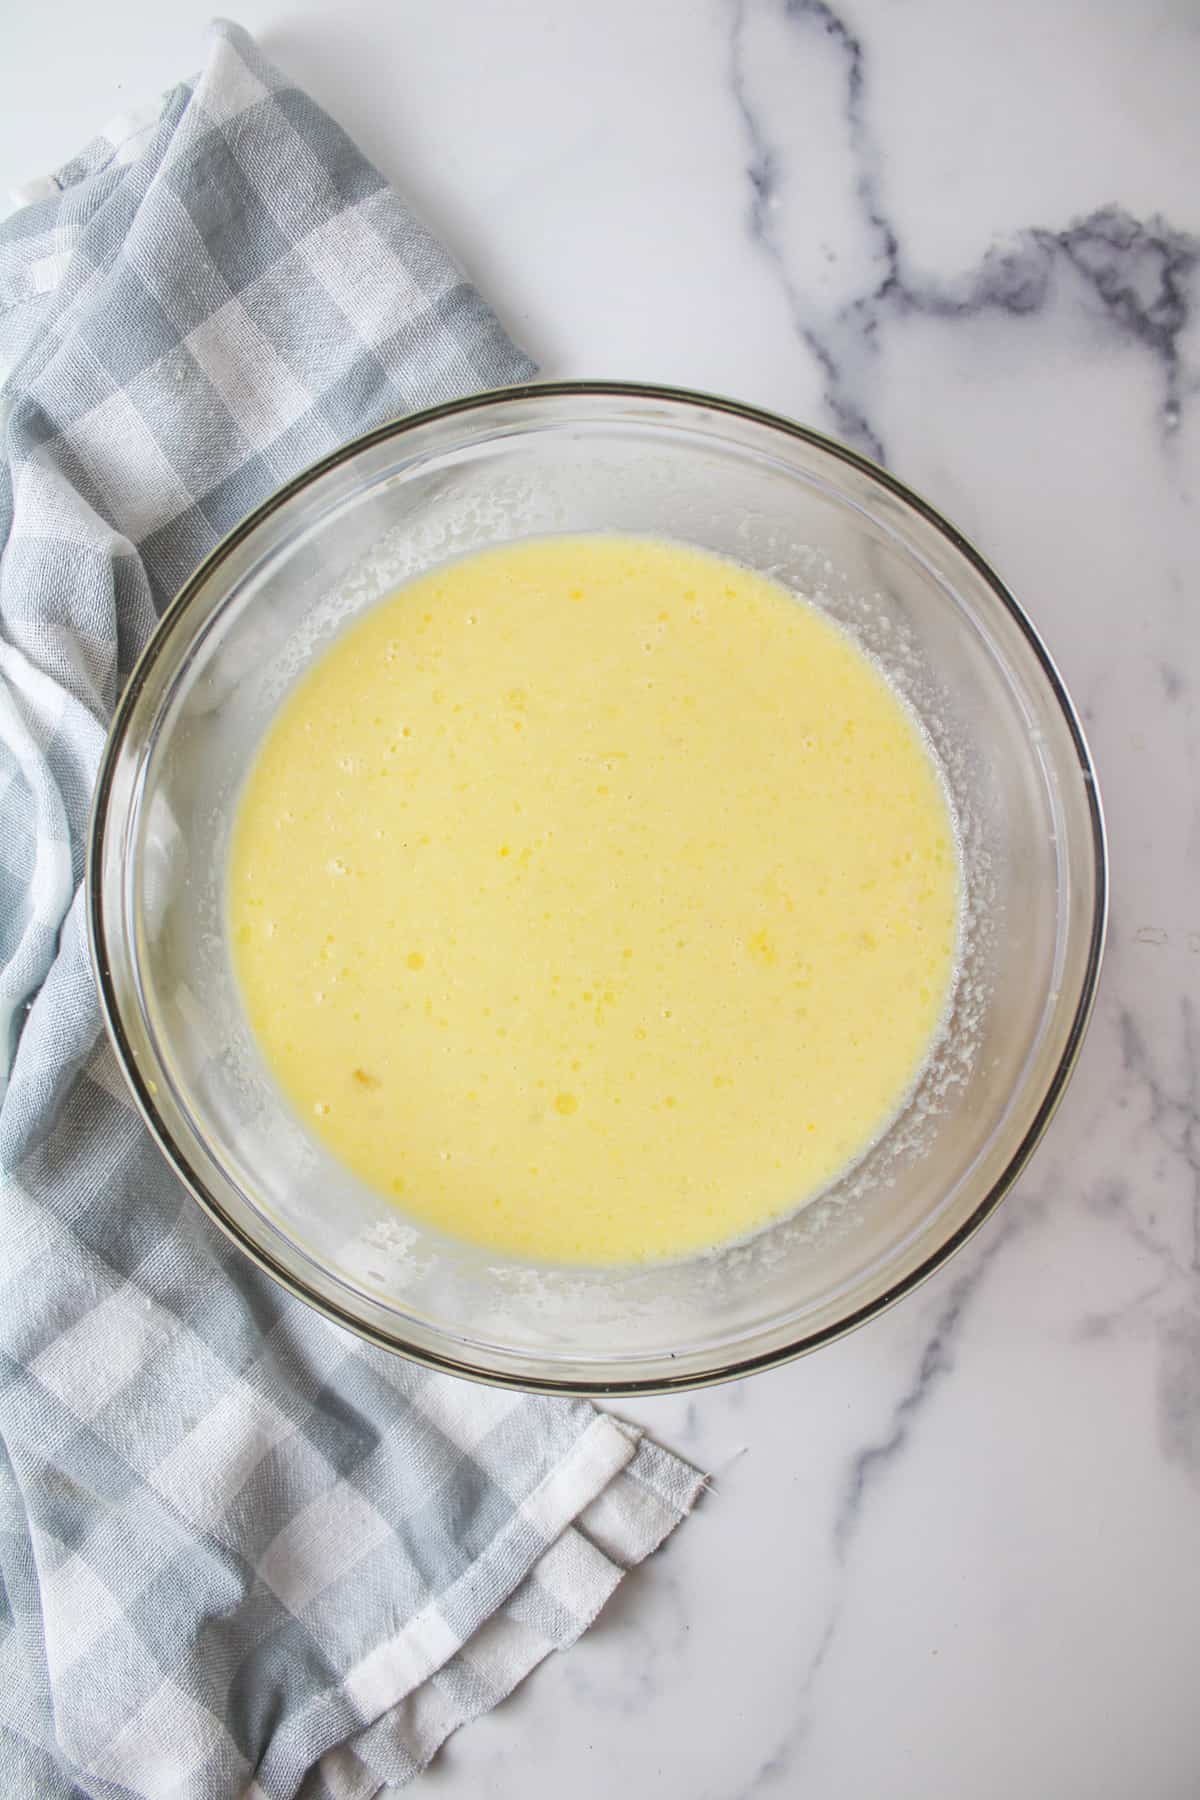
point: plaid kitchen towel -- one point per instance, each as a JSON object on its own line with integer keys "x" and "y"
{"x": 239, "y": 1551}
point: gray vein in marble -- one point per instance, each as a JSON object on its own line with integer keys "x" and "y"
{"x": 763, "y": 172}
{"x": 1162, "y": 1107}
{"x": 936, "y": 1361}
{"x": 1173, "y": 1122}
{"x": 1139, "y": 272}
{"x": 1174, "y": 1107}
{"x": 1178, "y": 1392}
{"x": 1174, "y": 684}
{"x": 1112, "y": 1199}
{"x": 870, "y": 1465}
{"x": 1157, "y": 1092}
{"x": 1097, "y": 1325}
{"x": 651, "y": 1637}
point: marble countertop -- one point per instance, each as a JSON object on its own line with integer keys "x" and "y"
{"x": 957, "y": 1554}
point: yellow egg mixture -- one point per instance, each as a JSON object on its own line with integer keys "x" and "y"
{"x": 594, "y": 899}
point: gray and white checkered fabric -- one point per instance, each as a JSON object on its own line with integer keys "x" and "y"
{"x": 239, "y": 1551}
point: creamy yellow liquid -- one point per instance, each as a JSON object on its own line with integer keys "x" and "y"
{"x": 594, "y": 899}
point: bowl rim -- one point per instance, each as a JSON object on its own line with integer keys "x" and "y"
{"x": 142, "y": 1091}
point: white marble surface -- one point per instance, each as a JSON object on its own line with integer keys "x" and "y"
{"x": 957, "y": 1554}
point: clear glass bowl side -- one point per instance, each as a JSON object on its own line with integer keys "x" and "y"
{"x": 778, "y": 500}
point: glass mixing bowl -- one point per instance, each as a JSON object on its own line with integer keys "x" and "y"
{"x": 577, "y": 457}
